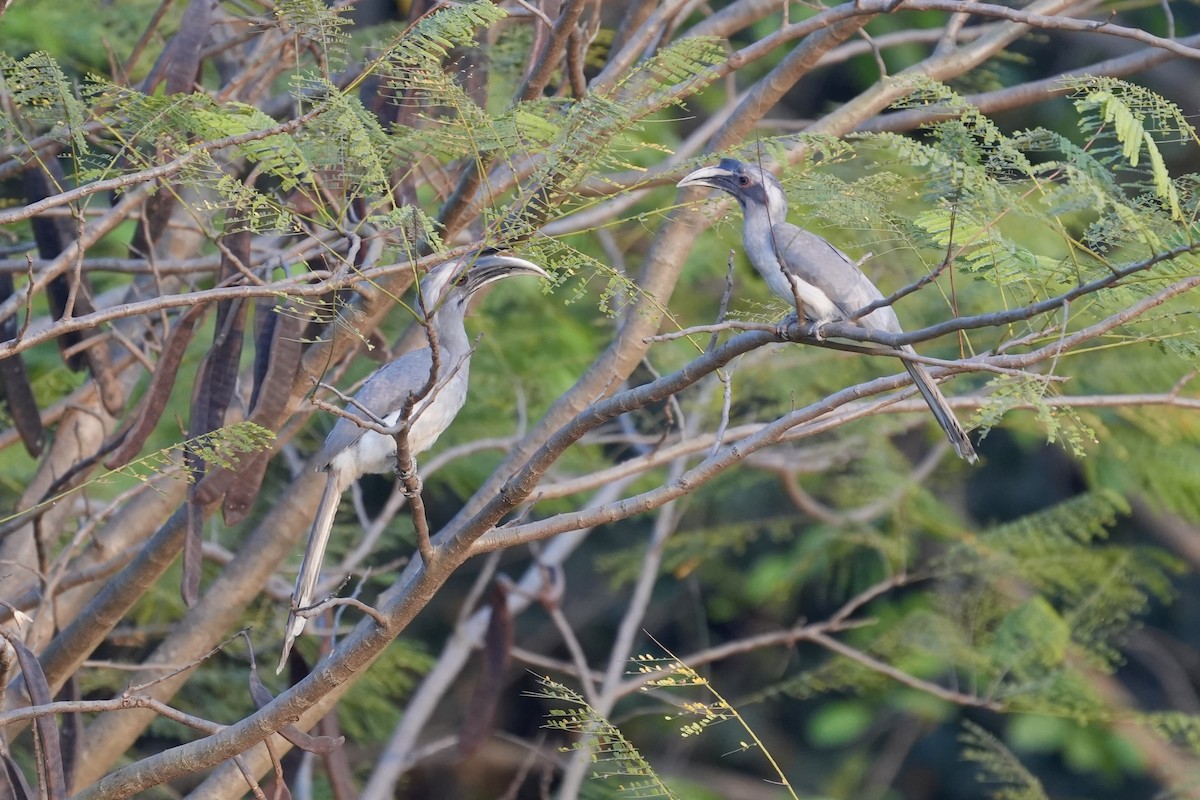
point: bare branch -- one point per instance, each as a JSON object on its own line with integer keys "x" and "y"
{"x": 875, "y": 665}
{"x": 315, "y": 610}
{"x": 122, "y": 703}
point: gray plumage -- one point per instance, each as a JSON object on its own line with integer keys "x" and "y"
{"x": 351, "y": 451}
{"x": 799, "y": 265}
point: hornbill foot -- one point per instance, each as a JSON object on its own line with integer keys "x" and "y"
{"x": 410, "y": 480}
{"x": 783, "y": 328}
{"x": 819, "y": 331}
{"x": 411, "y": 484}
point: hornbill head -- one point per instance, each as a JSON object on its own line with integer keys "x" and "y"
{"x": 456, "y": 280}
{"x": 753, "y": 186}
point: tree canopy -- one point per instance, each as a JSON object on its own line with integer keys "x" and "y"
{"x": 670, "y": 501}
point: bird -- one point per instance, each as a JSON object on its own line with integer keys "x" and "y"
{"x": 351, "y": 450}
{"x": 806, "y": 270}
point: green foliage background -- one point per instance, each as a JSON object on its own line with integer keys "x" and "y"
{"x": 1020, "y": 579}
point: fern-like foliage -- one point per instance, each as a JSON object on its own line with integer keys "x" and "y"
{"x": 1016, "y": 611}
{"x": 319, "y": 24}
{"x": 1019, "y": 607}
{"x": 40, "y": 99}
{"x": 310, "y": 175}
{"x": 242, "y": 207}
{"x": 1139, "y": 120}
{"x": 413, "y": 73}
{"x": 221, "y": 448}
{"x": 997, "y": 765}
{"x": 341, "y": 153}
{"x": 584, "y": 272}
{"x": 698, "y": 715}
{"x": 346, "y": 147}
{"x": 615, "y": 758}
{"x": 583, "y": 145}
{"x": 1060, "y": 422}
{"x": 1087, "y": 591}
{"x": 988, "y": 194}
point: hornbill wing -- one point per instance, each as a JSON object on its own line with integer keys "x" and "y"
{"x": 821, "y": 264}
{"x": 385, "y": 392}
{"x": 818, "y": 262}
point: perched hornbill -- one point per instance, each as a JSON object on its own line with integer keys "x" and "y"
{"x": 799, "y": 264}
{"x": 352, "y": 450}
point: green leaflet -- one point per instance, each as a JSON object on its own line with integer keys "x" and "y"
{"x": 614, "y": 756}
{"x": 1130, "y": 131}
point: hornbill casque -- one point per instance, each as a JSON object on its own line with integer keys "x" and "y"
{"x": 352, "y": 450}
{"x": 797, "y": 263}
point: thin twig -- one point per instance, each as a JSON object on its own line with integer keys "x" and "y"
{"x": 138, "y": 687}
{"x": 713, "y": 328}
{"x": 857, "y": 516}
{"x": 316, "y": 609}
{"x": 900, "y": 676}
{"x": 122, "y": 703}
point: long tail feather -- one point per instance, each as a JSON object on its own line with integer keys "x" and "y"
{"x": 310, "y": 567}
{"x": 942, "y": 411}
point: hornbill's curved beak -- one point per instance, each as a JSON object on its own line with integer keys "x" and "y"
{"x": 491, "y": 267}
{"x": 713, "y": 177}
{"x": 724, "y": 176}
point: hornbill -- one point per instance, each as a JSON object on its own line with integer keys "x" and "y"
{"x": 801, "y": 266}
{"x": 352, "y": 450}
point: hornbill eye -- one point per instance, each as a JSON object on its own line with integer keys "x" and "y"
{"x": 743, "y": 180}
{"x": 461, "y": 280}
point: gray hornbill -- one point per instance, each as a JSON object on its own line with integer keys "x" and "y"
{"x": 352, "y": 450}
{"x": 800, "y": 265}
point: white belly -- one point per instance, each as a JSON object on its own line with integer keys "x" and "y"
{"x": 375, "y": 453}
{"x": 817, "y": 305}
